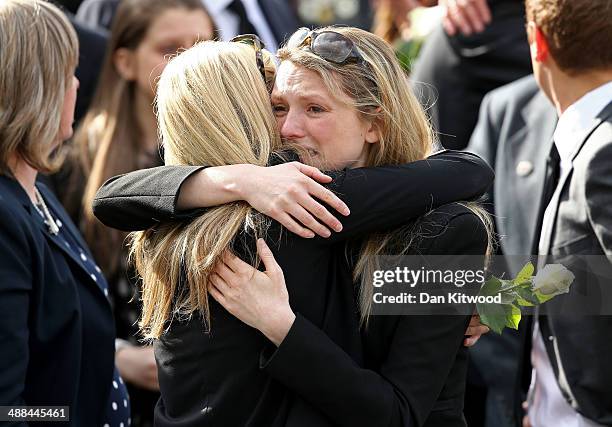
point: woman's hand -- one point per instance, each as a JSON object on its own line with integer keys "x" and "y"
{"x": 290, "y": 193}
{"x": 137, "y": 366}
{"x": 465, "y": 16}
{"x": 474, "y": 331}
{"x": 258, "y": 299}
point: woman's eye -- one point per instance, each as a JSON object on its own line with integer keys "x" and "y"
{"x": 168, "y": 50}
{"x": 315, "y": 109}
{"x": 279, "y": 109}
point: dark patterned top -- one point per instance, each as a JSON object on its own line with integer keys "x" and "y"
{"x": 118, "y": 406}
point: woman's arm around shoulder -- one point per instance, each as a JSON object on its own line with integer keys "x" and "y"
{"x": 285, "y": 192}
{"x": 140, "y": 199}
{"x": 386, "y": 197}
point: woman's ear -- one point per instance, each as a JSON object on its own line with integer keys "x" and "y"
{"x": 125, "y": 63}
{"x": 373, "y": 128}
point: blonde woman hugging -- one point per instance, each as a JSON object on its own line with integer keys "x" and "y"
{"x": 297, "y": 347}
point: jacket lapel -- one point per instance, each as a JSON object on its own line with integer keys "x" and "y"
{"x": 547, "y": 234}
{"x": 58, "y": 213}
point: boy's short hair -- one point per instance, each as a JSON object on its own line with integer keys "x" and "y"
{"x": 579, "y": 32}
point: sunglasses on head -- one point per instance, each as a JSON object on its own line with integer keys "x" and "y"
{"x": 329, "y": 45}
{"x": 257, "y": 45}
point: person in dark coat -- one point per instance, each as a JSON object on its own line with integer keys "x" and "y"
{"x": 56, "y": 326}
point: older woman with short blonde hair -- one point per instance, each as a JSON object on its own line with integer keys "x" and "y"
{"x": 56, "y": 327}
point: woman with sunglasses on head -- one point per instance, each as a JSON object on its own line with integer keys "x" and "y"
{"x": 318, "y": 284}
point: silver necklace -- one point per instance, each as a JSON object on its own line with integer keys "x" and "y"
{"x": 49, "y": 221}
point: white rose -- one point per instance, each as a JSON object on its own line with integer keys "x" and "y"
{"x": 553, "y": 279}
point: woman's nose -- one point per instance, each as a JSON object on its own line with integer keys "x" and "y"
{"x": 291, "y": 127}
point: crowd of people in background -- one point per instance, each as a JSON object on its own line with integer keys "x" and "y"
{"x": 524, "y": 84}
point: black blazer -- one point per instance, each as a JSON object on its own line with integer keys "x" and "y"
{"x": 414, "y": 367}
{"x": 578, "y": 328}
{"x": 220, "y": 368}
{"x": 56, "y": 325}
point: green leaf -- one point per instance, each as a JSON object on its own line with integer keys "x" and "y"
{"x": 509, "y": 296}
{"x": 525, "y": 273}
{"x": 491, "y": 287}
{"x": 542, "y": 298}
{"x": 525, "y": 284}
{"x": 499, "y": 316}
{"x": 526, "y": 297}
{"x": 492, "y": 315}
{"x": 507, "y": 284}
{"x": 513, "y": 316}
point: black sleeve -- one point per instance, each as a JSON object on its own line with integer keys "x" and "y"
{"x": 379, "y": 198}
{"x": 384, "y": 198}
{"x": 404, "y": 390}
{"x": 140, "y": 199}
{"x": 15, "y": 290}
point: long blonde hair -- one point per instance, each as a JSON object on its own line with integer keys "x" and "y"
{"x": 378, "y": 90}
{"x": 39, "y": 51}
{"x": 109, "y": 141}
{"x": 213, "y": 109}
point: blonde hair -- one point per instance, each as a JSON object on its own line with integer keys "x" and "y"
{"x": 38, "y": 55}
{"x": 378, "y": 90}
{"x": 109, "y": 141}
{"x": 214, "y": 109}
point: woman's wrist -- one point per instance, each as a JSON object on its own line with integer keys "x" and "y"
{"x": 215, "y": 186}
{"x": 237, "y": 179}
{"x": 277, "y": 326}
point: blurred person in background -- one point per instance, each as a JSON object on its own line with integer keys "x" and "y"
{"x": 97, "y": 14}
{"x": 70, "y": 5}
{"x": 92, "y": 45}
{"x": 479, "y": 46}
{"x": 56, "y": 326}
{"x": 271, "y": 20}
{"x": 396, "y": 23}
{"x": 117, "y": 135}
{"x": 317, "y": 13}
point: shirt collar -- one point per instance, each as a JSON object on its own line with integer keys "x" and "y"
{"x": 578, "y": 118}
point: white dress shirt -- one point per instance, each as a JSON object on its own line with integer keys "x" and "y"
{"x": 228, "y": 22}
{"x": 547, "y": 406}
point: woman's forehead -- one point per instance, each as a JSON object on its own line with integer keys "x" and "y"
{"x": 295, "y": 80}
